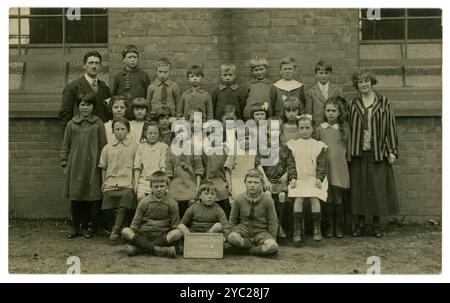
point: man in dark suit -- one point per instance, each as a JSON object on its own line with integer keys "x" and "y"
{"x": 88, "y": 83}
{"x": 77, "y": 89}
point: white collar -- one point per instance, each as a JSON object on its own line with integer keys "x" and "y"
{"x": 288, "y": 85}
{"x": 89, "y": 79}
{"x": 325, "y": 125}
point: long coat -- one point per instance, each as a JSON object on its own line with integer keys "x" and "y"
{"x": 84, "y": 139}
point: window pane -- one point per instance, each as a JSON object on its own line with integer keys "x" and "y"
{"x": 46, "y": 30}
{"x": 424, "y": 12}
{"x": 100, "y": 11}
{"x": 382, "y": 29}
{"x": 101, "y": 29}
{"x": 399, "y": 12}
{"x": 80, "y": 31}
{"x": 380, "y": 51}
{"x": 424, "y": 29}
{"x": 13, "y": 31}
{"x": 425, "y": 51}
{"x": 45, "y": 11}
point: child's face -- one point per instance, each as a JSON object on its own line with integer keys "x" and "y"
{"x": 253, "y": 185}
{"x": 92, "y": 66}
{"x": 195, "y": 80}
{"x": 131, "y": 60}
{"x": 258, "y": 116}
{"x": 85, "y": 109}
{"x": 159, "y": 189}
{"x": 291, "y": 114}
{"x": 287, "y": 71}
{"x": 120, "y": 131}
{"x": 164, "y": 121}
{"x": 245, "y": 144}
{"x": 118, "y": 109}
{"x": 228, "y": 116}
{"x": 163, "y": 73}
{"x": 259, "y": 72}
{"x": 305, "y": 129}
{"x": 139, "y": 113}
{"x": 331, "y": 113}
{"x": 364, "y": 85}
{"x": 227, "y": 77}
{"x": 323, "y": 76}
{"x": 208, "y": 197}
{"x": 152, "y": 134}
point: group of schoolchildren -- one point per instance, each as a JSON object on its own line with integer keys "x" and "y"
{"x": 166, "y": 195}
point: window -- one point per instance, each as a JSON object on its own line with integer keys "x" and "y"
{"x": 404, "y": 46}
{"x": 57, "y": 27}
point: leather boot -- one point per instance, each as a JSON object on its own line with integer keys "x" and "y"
{"x": 298, "y": 227}
{"x": 339, "y": 220}
{"x": 317, "y": 233}
{"x": 329, "y": 211}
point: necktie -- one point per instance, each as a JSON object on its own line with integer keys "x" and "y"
{"x": 164, "y": 91}
{"x": 324, "y": 92}
{"x": 94, "y": 85}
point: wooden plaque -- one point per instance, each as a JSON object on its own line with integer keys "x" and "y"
{"x": 203, "y": 246}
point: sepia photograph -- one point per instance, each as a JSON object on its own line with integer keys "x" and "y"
{"x": 225, "y": 141}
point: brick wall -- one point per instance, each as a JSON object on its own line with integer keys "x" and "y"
{"x": 214, "y": 36}
{"x": 419, "y": 167}
{"x": 35, "y": 176}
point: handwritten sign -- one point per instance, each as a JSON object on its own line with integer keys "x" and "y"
{"x": 203, "y": 246}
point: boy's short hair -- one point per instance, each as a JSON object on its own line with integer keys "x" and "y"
{"x": 363, "y": 73}
{"x": 254, "y": 173}
{"x": 257, "y": 61}
{"x": 159, "y": 176}
{"x": 122, "y": 120}
{"x": 209, "y": 187}
{"x": 163, "y": 62}
{"x": 323, "y": 65}
{"x": 227, "y": 68}
{"x": 92, "y": 53}
{"x": 287, "y": 60}
{"x": 129, "y": 49}
{"x": 88, "y": 98}
{"x": 139, "y": 102}
{"x": 195, "y": 70}
{"x": 163, "y": 111}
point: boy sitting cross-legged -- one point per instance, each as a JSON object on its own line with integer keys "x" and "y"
{"x": 153, "y": 229}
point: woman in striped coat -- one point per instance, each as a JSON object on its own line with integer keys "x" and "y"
{"x": 373, "y": 150}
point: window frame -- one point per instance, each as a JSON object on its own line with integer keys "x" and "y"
{"x": 404, "y": 61}
{"x": 63, "y": 45}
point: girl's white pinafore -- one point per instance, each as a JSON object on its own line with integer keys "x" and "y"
{"x": 305, "y": 152}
